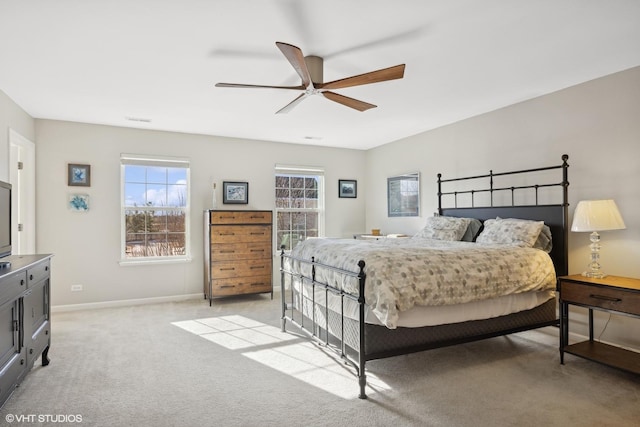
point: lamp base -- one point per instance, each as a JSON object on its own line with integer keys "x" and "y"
{"x": 594, "y": 271}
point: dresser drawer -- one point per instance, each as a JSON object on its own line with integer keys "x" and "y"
{"x": 238, "y": 217}
{"x": 240, "y": 233}
{"x": 242, "y": 285}
{"x": 12, "y": 286}
{"x": 239, "y": 251}
{"x": 37, "y": 273}
{"x": 250, "y": 267}
{"x": 601, "y": 296}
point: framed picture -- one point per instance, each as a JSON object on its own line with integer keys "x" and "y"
{"x": 78, "y": 202}
{"x": 235, "y": 192}
{"x": 348, "y": 188}
{"x": 79, "y": 175}
{"x": 403, "y": 195}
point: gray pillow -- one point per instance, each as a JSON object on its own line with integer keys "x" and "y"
{"x": 472, "y": 230}
{"x": 544, "y": 241}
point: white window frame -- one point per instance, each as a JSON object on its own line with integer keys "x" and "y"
{"x": 302, "y": 171}
{"x": 159, "y": 161}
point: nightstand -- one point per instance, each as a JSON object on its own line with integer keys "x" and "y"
{"x": 618, "y": 295}
{"x": 379, "y": 236}
{"x": 369, "y": 236}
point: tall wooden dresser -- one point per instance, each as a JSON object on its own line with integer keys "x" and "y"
{"x": 237, "y": 253}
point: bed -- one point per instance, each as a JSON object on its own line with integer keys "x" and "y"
{"x": 373, "y": 299}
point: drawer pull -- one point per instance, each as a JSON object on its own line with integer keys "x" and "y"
{"x": 257, "y": 217}
{"x": 227, "y": 234}
{"x": 227, "y": 286}
{"x": 605, "y": 298}
{"x": 227, "y": 268}
{"x": 227, "y": 217}
{"x": 257, "y": 250}
{"x": 257, "y": 284}
{"x": 257, "y": 234}
{"x": 227, "y": 252}
{"x": 255, "y": 267}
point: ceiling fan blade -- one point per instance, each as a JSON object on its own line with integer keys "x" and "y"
{"x": 290, "y": 106}
{"x": 349, "y": 102}
{"x": 239, "y": 85}
{"x": 296, "y": 59}
{"x": 391, "y": 73}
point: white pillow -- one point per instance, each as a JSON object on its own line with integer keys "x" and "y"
{"x": 510, "y": 231}
{"x": 443, "y": 228}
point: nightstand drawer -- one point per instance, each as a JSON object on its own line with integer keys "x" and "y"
{"x": 608, "y": 298}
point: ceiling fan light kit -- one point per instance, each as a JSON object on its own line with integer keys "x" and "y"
{"x": 310, "y": 70}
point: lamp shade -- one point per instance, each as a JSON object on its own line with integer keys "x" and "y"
{"x": 597, "y": 215}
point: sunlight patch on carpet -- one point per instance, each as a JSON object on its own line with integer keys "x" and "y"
{"x": 235, "y": 332}
{"x": 271, "y": 347}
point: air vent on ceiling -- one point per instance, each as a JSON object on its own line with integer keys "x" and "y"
{"x": 138, "y": 119}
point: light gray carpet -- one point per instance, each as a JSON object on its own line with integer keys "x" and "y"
{"x": 154, "y": 365}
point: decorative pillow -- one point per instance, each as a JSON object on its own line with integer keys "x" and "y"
{"x": 544, "y": 241}
{"x": 510, "y": 231}
{"x": 443, "y": 228}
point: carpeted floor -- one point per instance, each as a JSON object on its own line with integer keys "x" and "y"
{"x": 188, "y": 364}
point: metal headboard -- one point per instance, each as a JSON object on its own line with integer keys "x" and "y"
{"x": 556, "y": 216}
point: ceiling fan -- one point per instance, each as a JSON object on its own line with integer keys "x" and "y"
{"x": 310, "y": 71}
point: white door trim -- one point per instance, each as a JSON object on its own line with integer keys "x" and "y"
{"x": 23, "y": 200}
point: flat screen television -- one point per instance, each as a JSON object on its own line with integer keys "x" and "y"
{"x": 5, "y": 219}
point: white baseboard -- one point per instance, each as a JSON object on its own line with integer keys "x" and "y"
{"x": 123, "y": 303}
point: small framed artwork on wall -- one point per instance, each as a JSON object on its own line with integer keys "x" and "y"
{"x": 78, "y": 175}
{"x": 403, "y": 195}
{"x": 348, "y": 188}
{"x": 235, "y": 192}
{"x": 78, "y": 202}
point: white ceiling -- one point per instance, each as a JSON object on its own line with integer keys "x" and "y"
{"x": 105, "y": 61}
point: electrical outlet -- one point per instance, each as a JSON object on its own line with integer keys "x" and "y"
{"x": 76, "y": 288}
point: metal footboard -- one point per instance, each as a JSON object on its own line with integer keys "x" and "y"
{"x": 320, "y": 330}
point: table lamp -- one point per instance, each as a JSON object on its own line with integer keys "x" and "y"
{"x": 594, "y": 216}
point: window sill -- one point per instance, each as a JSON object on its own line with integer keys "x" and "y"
{"x": 150, "y": 261}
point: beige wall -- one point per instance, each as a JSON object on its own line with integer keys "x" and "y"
{"x": 596, "y": 123}
{"x": 87, "y": 245}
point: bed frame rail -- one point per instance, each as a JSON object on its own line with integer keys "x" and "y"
{"x": 313, "y": 330}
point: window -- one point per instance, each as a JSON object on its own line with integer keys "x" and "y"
{"x": 155, "y": 208}
{"x": 299, "y": 204}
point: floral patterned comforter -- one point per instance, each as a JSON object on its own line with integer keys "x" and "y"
{"x": 405, "y": 272}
